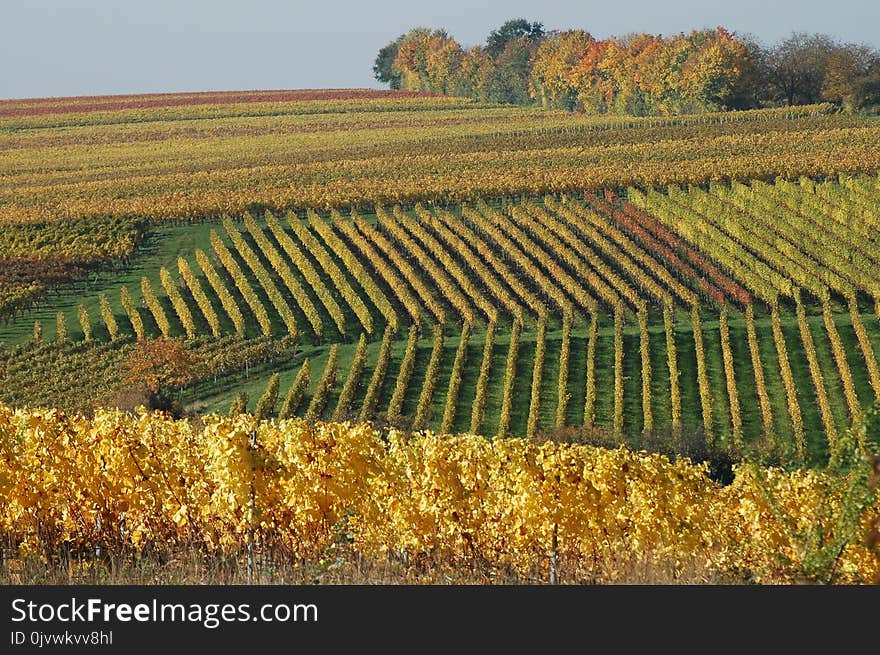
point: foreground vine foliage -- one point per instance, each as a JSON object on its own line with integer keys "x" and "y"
{"x": 144, "y": 483}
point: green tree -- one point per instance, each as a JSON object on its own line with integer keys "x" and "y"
{"x": 513, "y": 29}
{"x": 509, "y": 82}
{"x": 383, "y": 66}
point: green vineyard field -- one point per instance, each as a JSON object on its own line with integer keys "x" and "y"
{"x": 616, "y": 281}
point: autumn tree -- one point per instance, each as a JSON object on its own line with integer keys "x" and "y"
{"x": 623, "y": 91}
{"x": 589, "y": 77}
{"x": 475, "y": 69}
{"x": 61, "y": 328}
{"x": 161, "y": 367}
{"x": 552, "y": 81}
{"x": 640, "y": 74}
{"x": 752, "y": 88}
{"x": 869, "y": 92}
{"x": 413, "y": 53}
{"x": 656, "y": 67}
{"x": 442, "y": 60}
{"x": 847, "y": 79}
{"x": 711, "y": 75}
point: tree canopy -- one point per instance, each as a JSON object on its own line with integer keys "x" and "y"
{"x": 160, "y": 366}
{"x": 518, "y": 28}
{"x": 642, "y": 74}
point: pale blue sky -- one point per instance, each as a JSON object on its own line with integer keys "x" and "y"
{"x": 76, "y": 47}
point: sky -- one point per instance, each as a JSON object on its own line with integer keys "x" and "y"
{"x": 85, "y": 47}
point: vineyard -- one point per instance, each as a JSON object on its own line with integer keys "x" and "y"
{"x": 201, "y": 155}
{"x": 146, "y": 483}
{"x": 743, "y": 312}
{"x": 414, "y": 264}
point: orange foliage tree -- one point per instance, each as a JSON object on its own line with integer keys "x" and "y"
{"x": 552, "y": 82}
{"x": 160, "y": 366}
{"x": 640, "y": 74}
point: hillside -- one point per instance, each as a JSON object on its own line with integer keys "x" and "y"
{"x": 354, "y": 276}
{"x": 518, "y": 236}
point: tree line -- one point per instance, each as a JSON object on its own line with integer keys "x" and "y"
{"x": 641, "y": 74}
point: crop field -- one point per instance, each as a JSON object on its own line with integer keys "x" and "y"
{"x": 432, "y": 264}
{"x": 203, "y": 155}
{"x": 741, "y": 310}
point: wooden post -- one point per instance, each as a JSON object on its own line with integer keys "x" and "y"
{"x": 251, "y": 509}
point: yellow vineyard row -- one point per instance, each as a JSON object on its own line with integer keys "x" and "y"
{"x": 145, "y": 481}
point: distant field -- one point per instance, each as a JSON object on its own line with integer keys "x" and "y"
{"x": 202, "y": 155}
{"x": 87, "y": 104}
